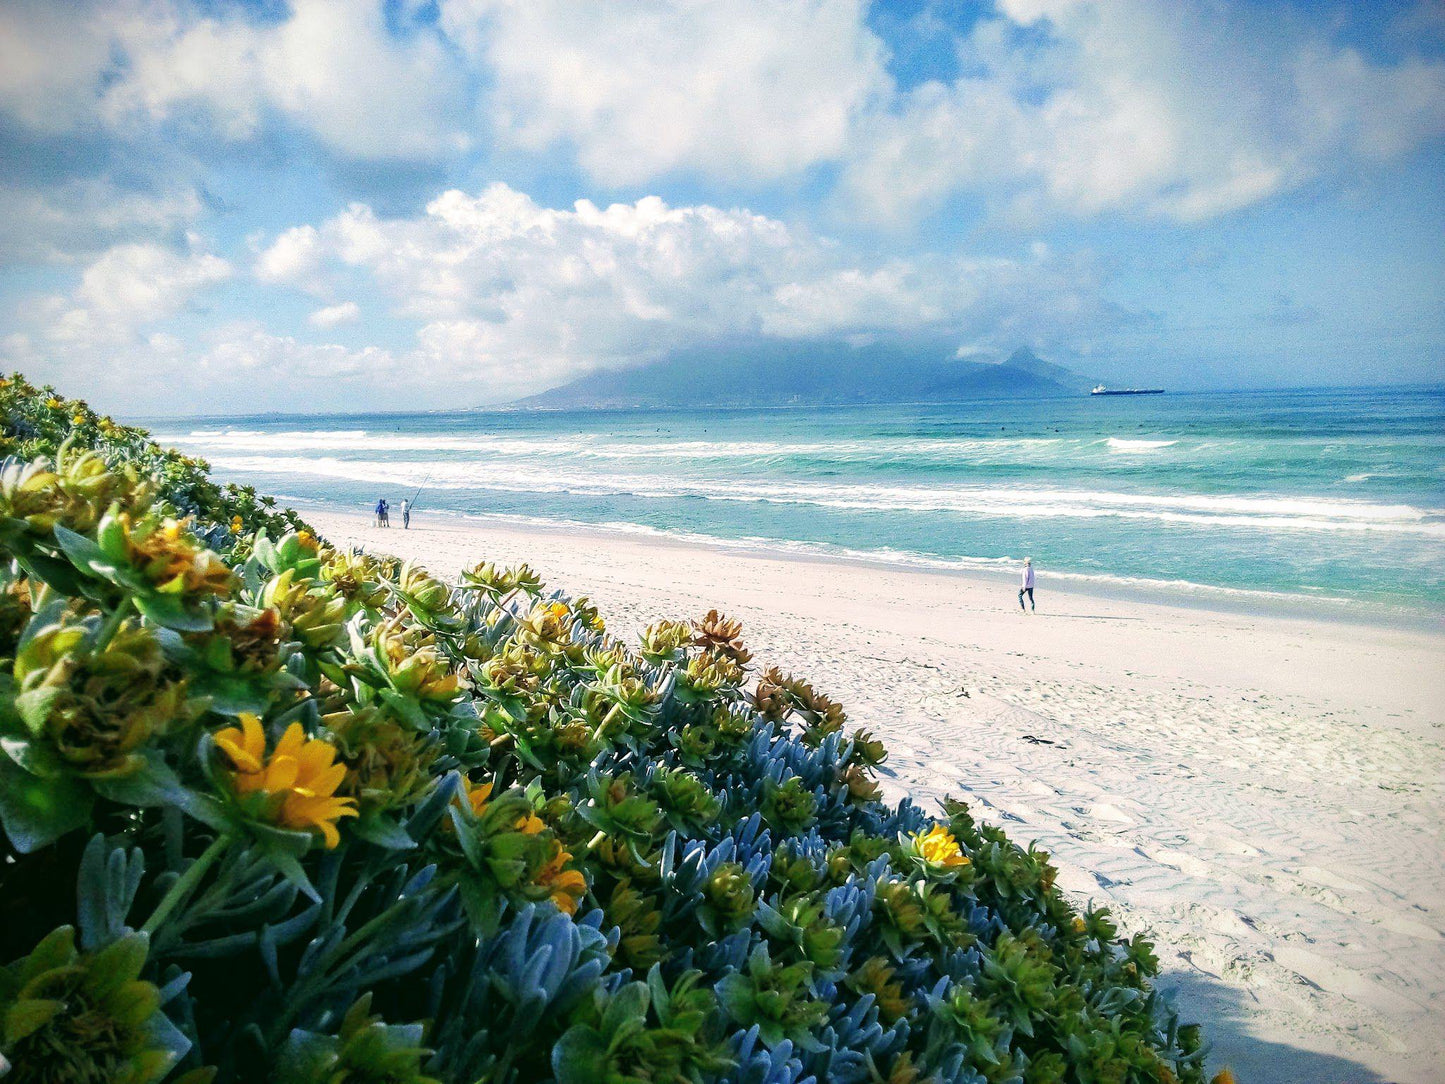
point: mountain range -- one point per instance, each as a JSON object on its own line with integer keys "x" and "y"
{"x": 783, "y": 373}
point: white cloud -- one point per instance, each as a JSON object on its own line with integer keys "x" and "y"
{"x": 1182, "y": 111}
{"x": 137, "y": 283}
{"x": 331, "y": 315}
{"x": 51, "y": 62}
{"x": 246, "y": 354}
{"x": 63, "y": 220}
{"x": 295, "y": 256}
{"x": 332, "y": 68}
{"x": 512, "y": 296}
{"x": 751, "y": 89}
{"x": 125, "y": 288}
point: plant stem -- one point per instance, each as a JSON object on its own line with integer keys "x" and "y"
{"x": 186, "y": 883}
{"x": 611, "y": 714}
{"x": 112, "y": 625}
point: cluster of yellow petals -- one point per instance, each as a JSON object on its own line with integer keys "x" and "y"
{"x": 237, "y": 524}
{"x": 301, "y": 771}
{"x": 478, "y": 796}
{"x": 565, "y": 886}
{"x": 173, "y": 559}
{"x": 475, "y": 796}
{"x": 938, "y": 848}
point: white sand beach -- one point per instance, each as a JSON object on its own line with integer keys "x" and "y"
{"x": 1261, "y": 793}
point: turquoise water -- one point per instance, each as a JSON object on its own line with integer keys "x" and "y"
{"x": 1327, "y": 494}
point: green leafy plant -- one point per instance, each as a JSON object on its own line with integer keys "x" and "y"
{"x": 319, "y": 816}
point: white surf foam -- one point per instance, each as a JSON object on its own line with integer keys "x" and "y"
{"x": 1197, "y": 510}
{"x": 1123, "y": 444}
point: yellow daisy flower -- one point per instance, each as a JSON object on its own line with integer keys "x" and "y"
{"x": 301, "y": 774}
{"x": 938, "y": 848}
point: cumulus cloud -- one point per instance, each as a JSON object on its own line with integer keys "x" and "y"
{"x": 252, "y": 353}
{"x": 137, "y": 283}
{"x": 126, "y": 288}
{"x": 1182, "y": 111}
{"x": 63, "y": 220}
{"x": 330, "y": 315}
{"x": 331, "y": 68}
{"x": 752, "y": 89}
{"x": 294, "y": 257}
{"x": 515, "y": 296}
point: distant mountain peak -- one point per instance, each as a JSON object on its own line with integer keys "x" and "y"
{"x": 781, "y": 372}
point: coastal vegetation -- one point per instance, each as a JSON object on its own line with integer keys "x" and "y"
{"x": 275, "y": 811}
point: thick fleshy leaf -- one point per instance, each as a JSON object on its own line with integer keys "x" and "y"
{"x": 35, "y": 811}
{"x": 580, "y": 1057}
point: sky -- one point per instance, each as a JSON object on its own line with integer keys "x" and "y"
{"x": 209, "y": 206}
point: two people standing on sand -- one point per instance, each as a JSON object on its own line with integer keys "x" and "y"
{"x": 383, "y": 513}
{"x": 1026, "y": 584}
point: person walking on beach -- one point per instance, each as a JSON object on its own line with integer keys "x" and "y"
{"x": 405, "y": 514}
{"x": 1026, "y": 584}
{"x": 380, "y": 511}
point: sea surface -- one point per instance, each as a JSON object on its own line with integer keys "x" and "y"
{"x": 1334, "y": 495}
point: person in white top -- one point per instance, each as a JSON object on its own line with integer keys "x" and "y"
{"x": 1026, "y": 584}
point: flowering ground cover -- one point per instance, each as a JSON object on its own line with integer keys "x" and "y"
{"x": 278, "y": 812}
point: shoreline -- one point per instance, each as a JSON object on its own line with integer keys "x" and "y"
{"x": 1180, "y": 594}
{"x": 1259, "y": 794}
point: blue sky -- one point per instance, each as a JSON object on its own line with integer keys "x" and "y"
{"x": 208, "y": 206}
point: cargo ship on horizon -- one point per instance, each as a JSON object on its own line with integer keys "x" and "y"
{"x": 1101, "y": 390}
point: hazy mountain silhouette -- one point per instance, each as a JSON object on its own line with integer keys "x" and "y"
{"x": 780, "y": 373}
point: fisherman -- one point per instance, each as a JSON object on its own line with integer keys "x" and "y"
{"x": 1026, "y": 584}
{"x": 405, "y": 514}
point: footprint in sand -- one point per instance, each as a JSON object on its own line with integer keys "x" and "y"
{"x": 1407, "y": 926}
{"x": 1186, "y": 864}
{"x": 1104, "y": 811}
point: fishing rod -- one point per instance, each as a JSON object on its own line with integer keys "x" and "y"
{"x": 419, "y": 488}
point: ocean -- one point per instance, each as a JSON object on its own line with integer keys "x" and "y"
{"x": 1333, "y": 495}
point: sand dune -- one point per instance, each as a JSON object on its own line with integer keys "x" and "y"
{"x": 1260, "y": 793}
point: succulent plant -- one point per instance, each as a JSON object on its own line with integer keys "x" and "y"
{"x": 325, "y": 790}
{"x": 85, "y": 1017}
{"x": 643, "y": 1031}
